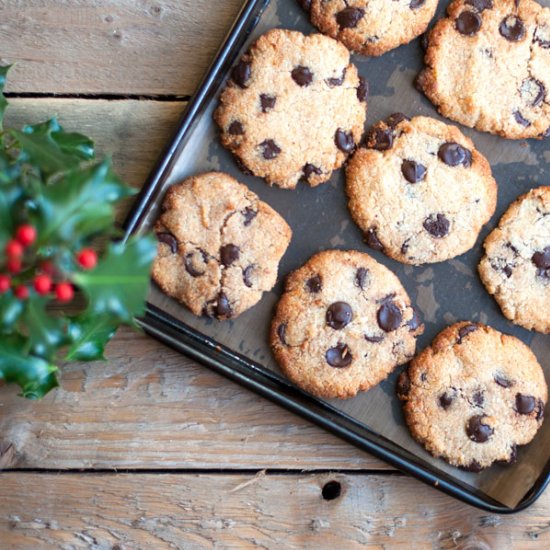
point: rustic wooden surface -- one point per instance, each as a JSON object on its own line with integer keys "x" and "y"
{"x": 206, "y": 463}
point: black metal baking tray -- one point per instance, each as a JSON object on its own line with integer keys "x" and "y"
{"x": 444, "y": 292}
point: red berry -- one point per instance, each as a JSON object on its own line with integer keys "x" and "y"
{"x": 5, "y": 283}
{"x": 22, "y": 292}
{"x": 14, "y": 265}
{"x": 48, "y": 267}
{"x": 14, "y": 249}
{"x": 26, "y": 234}
{"x": 42, "y": 284}
{"x": 64, "y": 292}
{"x": 87, "y": 258}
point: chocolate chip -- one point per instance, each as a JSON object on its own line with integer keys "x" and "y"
{"x": 314, "y": 284}
{"x": 542, "y": 260}
{"x": 361, "y": 277}
{"x": 389, "y": 316}
{"x": 309, "y": 170}
{"x": 525, "y": 404}
{"x": 247, "y": 273}
{"x": 512, "y": 459}
{"x": 464, "y": 331}
{"x": 241, "y": 73}
{"x": 414, "y": 4}
{"x": 403, "y": 385}
{"x": 229, "y": 253}
{"x": 532, "y": 91}
{"x": 437, "y": 226}
{"x": 339, "y": 356}
{"x": 249, "y": 214}
{"x": 474, "y": 467}
{"x": 334, "y": 82}
{"x": 520, "y": 119}
{"x": 423, "y": 377}
{"x": 363, "y": 90}
{"x": 501, "y": 380}
{"x": 168, "y": 239}
{"x": 223, "y": 307}
{"x": 267, "y": 102}
{"x": 425, "y": 40}
{"x": 395, "y": 118}
{"x": 507, "y": 270}
{"x": 373, "y": 241}
{"x": 477, "y": 431}
{"x": 281, "y": 333}
{"x": 405, "y": 246}
{"x": 512, "y": 28}
{"x": 349, "y": 17}
{"x": 344, "y": 141}
{"x": 481, "y": 5}
{"x": 381, "y": 139}
{"x": 189, "y": 267}
{"x": 478, "y": 398}
{"x": 413, "y": 171}
{"x": 540, "y": 410}
{"x": 236, "y": 128}
{"x": 415, "y": 321}
{"x": 339, "y": 314}
{"x": 468, "y": 23}
{"x": 242, "y": 167}
{"x": 270, "y": 149}
{"x": 453, "y": 154}
{"x": 302, "y": 76}
{"x": 445, "y": 400}
{"x": 374, "y": 339}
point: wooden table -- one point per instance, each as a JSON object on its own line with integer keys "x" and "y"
{"x": 151, "y": 450}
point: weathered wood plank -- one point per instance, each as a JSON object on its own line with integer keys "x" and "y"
{"x": 112, "y": 47}
{"x": 150, "y": 407}
{"x": 194, "y": 512}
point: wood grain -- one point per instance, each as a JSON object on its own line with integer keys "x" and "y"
{"x": 195, "y": 512}
{"x": 133, "y": 47}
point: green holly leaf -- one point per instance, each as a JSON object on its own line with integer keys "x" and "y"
{"x": 3, "y": 100}
{"x": 9, "y": 197}
{"x": 89, "y": 337}
{"x": 35, "y": 376}
{"x": 10, "y": 310}
{"x": 118, "y": 285}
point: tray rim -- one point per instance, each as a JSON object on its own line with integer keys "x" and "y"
{"x": 253, "y": 375}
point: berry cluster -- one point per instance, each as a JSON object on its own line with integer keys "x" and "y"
{"x": 45, "y": 277}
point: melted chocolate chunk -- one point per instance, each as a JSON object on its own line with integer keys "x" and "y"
{"x": 309, "y": 170}
{"x": 415, "y": 4}
{"x": 267, "y": 102}
{"x": 403, "y": 385}
{"x": 334, "y": 82}
{"x": 363, "y": 90}
{"x": 339, "y": 315}
{"x": 189, "y": 267}
{"x": 241, "y": 73}
{"x": 270, "y": 149}
{"x": 236, "y": 128}
{"x": 381, "y": 139}
{"x": 349, "y": 17}
{"x": 373, "y": 241}
{"x": 437, "y": 226}
{"x": 344, "y": 141}
{"x": 542, "y": 261}
{"x": 281, "y": 333}
{"x": 453, "y": 154}
{"x": 512, "y": 28}
{"x": 477, "y": 431}
{"x": 525, "y": 404}
{"x": 389, "y": 316}
{"x": 468, "y": 23}
{"x": 229, "y": 253}
{"x": 481, "y": 5}
{"x": 478, "y": 398}
{"x": 464, "y": 331}
{"x": 242, "y": 167}
{"x": 502, "y": 381}
{"x": 415, "y": 321}
{"x": 247, "y": 274}
{"x": 445, "y": 400}
{"x": 413, "y": 171}
{"x": 532, "y": 91}
{"x": 223, "y": 307}
{"x": 540, "y": 410}
{"x": 395, "y": 118}
{"x": 520, "y": 119}
{"x": 314, "y": 284}
{"x": 507, "y": 270}
{"x": 168, "y": 239}
{"x": 374, "y": 339}
{"x": 474, "y": 467}
{"x": 361, "y": 277}
{"x": 249, "y": 214}
{"x": 339, "y": 356}
{"x": 302, "y": 76}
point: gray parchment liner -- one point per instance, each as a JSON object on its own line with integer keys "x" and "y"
{"x": 444, "y": 292}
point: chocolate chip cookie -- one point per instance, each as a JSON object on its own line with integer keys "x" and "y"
{"x": 473, "y": 396}
{"x": 371, "y": 27}
{"x": 516, "y": 265}
{"x": 420, "y": 190}
{"x": 488, "y": 66}
{"x": 343, "y": 324}
{"x": 294, "y": 108}
{"x": 219, "y": 245}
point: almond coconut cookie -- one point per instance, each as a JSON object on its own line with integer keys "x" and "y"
{"x": 371, "y": 27}
{"x": 473, "y": 396}
{"x": 343, "y": 324}
{"x": 219, "y": 245}
{"x": 516, "y": 265}
{"x": 420, "y": 190}
{"x": 294, "y": 108}
{"x": 488, "y": 66}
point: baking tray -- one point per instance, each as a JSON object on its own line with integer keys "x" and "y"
{"x": 444, "y": 292}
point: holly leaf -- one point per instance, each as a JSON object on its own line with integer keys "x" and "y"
{"x": 10, "y": 310}
{"x": 3, "y": 100}
{"x": 89, "y": 337}
{"x": 118, "y": 285}
{"x": 9, "y": 196}
{"x": 35, "y": 376}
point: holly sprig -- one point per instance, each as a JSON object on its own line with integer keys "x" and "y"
{"x": 60, "y": 299}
